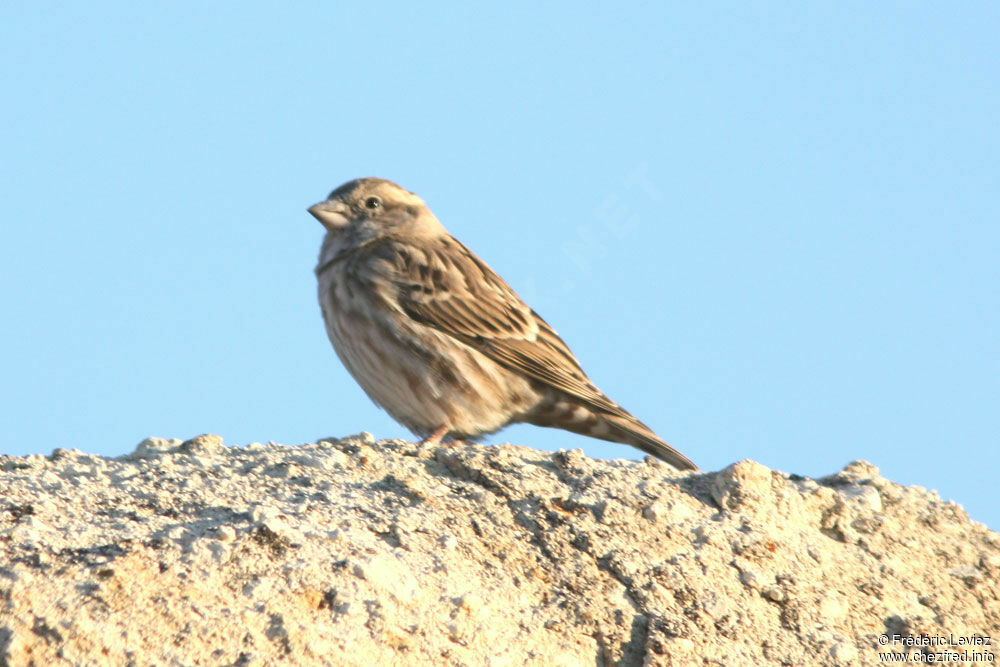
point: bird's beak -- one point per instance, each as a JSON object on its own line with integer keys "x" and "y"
{"x": 332, "y": 214}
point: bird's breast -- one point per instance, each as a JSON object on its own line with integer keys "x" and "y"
{"x": 422, "y": 377}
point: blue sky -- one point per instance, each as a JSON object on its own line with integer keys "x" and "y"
{"x": 769, "y": 231}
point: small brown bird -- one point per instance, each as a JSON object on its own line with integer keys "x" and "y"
{"x": 439, "y": 340}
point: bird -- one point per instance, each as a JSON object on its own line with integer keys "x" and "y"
{"x": 439, "y": 340}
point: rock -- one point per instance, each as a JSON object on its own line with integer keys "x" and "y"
{"x": 351, "y": 551}
{"x": 205, "y": 445}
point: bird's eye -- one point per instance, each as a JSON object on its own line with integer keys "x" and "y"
{"x": 373, "y": 203}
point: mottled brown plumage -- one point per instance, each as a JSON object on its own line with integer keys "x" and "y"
{"x": 439, "y": 340}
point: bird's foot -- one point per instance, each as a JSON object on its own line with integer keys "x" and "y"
{"x": 435, "y": 437}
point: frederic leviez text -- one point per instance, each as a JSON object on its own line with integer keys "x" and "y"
{"x": 935, "y": 640}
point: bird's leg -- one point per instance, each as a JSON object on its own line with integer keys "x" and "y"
{"x": 435, "y": 437}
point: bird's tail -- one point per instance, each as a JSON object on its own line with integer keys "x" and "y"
{"x": 633, "y": 432}
{"x": 613, "y": 426}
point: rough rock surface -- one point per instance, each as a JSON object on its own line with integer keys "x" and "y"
{"x": 355, "y": 552}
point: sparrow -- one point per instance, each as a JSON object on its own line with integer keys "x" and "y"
{"x": 440, "y": 341}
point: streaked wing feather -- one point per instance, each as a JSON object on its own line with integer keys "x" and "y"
{"x": 450, "y": 289}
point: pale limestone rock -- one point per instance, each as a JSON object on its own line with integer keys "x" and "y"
{"x": 357, "y": 552}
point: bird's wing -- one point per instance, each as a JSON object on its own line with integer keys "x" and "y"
{"x": 443, "y": 285}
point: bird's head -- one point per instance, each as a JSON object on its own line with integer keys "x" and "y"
{"x": 368, "y": 208}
